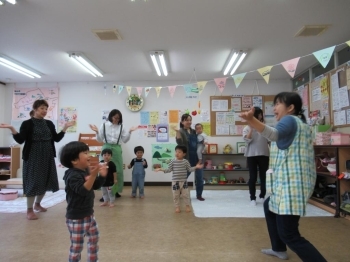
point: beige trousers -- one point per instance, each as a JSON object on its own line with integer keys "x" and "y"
{"x": 180, "y": 187}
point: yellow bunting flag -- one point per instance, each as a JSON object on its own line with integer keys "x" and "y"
{"x": 201, "y": 86}
{"x": 158, "y": 88}
{"x": 128, "y": 88}
{"x": 238, "y": 79}
{"x": 348, "y": 42}
{"x": 265, "y": 73}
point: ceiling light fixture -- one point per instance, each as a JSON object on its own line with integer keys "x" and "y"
{"x": 18, "y": 67}
{"x": 86, "y": 64}
{"x": 159, "y": 63}
{"x": 234, "y": 61}
{"x": 12, "y": 1}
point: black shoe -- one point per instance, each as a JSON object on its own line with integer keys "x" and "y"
{"x": 117, "y": 195}
{"x": 101, "y": 200}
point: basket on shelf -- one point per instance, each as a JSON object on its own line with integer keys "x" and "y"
{"x": 4, "y": 172}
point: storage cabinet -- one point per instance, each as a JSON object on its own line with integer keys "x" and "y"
{"x": 9, "y": 162}
{"x": 231, "y": 175}
{"x": 94, "y": 146}
{"x": 342, "y": 154}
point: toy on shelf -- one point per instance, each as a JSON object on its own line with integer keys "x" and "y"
{"x": 222, "y": 179}
{"x": 227, "y": 149}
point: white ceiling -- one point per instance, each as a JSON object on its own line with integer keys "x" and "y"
{"x": 196, "y": 34}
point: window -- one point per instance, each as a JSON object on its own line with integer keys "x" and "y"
{"x": 344, "y": 56}
{"x": 301, "y": 80}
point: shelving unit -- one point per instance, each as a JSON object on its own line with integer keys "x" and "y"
{"x": 9, "y": 163}
{"x": 233, "y": 174}
{"x": 342, "y": 153}
{"x": 94, "y": 146}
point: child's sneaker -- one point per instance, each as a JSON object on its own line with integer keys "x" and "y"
{"x": 253, "y": 203}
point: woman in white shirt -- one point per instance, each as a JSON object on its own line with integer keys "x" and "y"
{"x": 257, "y": 153}
{"x": 112, "y": 133}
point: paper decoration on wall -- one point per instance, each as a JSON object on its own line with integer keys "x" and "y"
{"x": 188, "y": 88}
{"x": 238, "y": 79}
{"x": 220, "y": 83}
{"x": 323, "y": 56}
{"x": 201, "y": 86}
{"x": 158, "y": 88}
{"x": 68, "y": 114}
{"x": 114, "y": 88}
{"x": 141, "y": 131}
{"x": 128, "y": 88}
{"x": 162, "y": 154}
{"x": 265, "y": 73}
{"x": 291, "y": 65}
{"x": 151, "y": 130}
{"x": 172, "y": 132}
{"x": 139, "y": 90}
{"x": 154, "y": 117}
{"x": 174, "y": 116}
{"x": 147, "y": 89}
{"x": 172, "y": 90}
{"x": 162, "y": 133}
{"x": 120, "y": 89}
{"x": 144, "y": 118}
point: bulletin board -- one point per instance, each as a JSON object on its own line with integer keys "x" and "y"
{"x": 319, "y": 97}
{"x": 225, "y": 110}
{"x": 339, "y": 94}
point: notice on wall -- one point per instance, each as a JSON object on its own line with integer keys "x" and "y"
{"x": 236, "y": 104}
{"x": 219, "y": 105}
{"x": 335, "y": 92}
{"x": 316, "y": 94}
{"x": 246, "y": 102}
{"x": 339, "y": 118}
{"x": 162, "y": 133}
{"x": 257, "y": 101}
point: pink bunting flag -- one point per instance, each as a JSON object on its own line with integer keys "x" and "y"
{"x": 291, "y": 65}
{"x": 139, "y": 90}
{"x": 172, "y": 90}
{"x": 220, "y": 83}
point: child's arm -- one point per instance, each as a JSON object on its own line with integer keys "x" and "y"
{"x": 191, "y": 169}
{"x": 131, "y": 164}
{"x": 168, "y": 170}
{"x": 205, "y": 136}
{"x": 144, "y": 162}
{"x": 115, "y": 177}
{"x": 102, "y": 169}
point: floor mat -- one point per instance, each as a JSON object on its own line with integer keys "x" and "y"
{"x": 19, "y": 205}
{"x": 236, "y": 203}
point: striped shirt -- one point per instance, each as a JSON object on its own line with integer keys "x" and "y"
{"x": 180, "y": 169}
{"x": 293, "y": 176}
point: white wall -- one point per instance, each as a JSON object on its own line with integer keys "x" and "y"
{"x": 90, "y": 100}
{"x": 2, "y": 112}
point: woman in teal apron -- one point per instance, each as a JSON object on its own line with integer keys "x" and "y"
{"x": 112, "y": 133}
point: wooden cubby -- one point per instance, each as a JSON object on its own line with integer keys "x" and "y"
{"x": 9, "y": 164}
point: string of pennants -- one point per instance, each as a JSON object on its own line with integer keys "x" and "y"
{"x": 323, "y": 56}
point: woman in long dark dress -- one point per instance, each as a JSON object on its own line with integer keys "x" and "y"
{"x": 39, "y": 168}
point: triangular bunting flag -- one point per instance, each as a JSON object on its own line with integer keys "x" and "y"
{"x": 120, "y": 89}
{"x": 139, "y": 90}
{"x": 348, "y": 42}
{"x": 114, "y": 88}
{"x": 158, "y": 88}
{"x": 188, "y": 88}
{"x": 323, "y": 56}
{"x": 172, "y": 90}
{"x": 201, "y": 86}
{"x": 220, "y": 83}
{"x": 265, "y": 73}
{"x": 291, "y": 65}
{"x": 128, "y": 88}
{"x": 147, "y": 89}
{"x": 238, "y": 79}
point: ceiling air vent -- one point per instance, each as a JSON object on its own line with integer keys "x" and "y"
{"x": 312, "y": 30}
{"x": 107, "y": 34}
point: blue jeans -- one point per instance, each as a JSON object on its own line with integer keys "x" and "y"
{"x": 138, "y": 180}
{"x": 283, "y": 231}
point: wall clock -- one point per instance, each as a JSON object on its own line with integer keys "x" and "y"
{"x": 134, "y": 103}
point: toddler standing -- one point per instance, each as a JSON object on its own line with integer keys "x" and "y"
{"x": 202, "y": 139}
{"x": 180, "y": 167}
{"x": 111, "y": 178}
{"x": 80, "y": 184}
{"x": 138, "y": 172}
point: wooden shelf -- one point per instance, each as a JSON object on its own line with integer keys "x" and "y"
{"x": 326, "y": 174}
{"x": 225, "y": 170}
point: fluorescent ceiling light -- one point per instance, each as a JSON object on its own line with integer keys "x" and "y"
{"x": 1, "y": 3}
{"x": 234, "y": 61}
{"x": 159, "y": 63}
{"x": 86, "y": 64}
{"x": 16, "y": 66}
{"x": 12, "y": 1}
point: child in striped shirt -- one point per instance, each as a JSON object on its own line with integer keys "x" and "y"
{"x": 180, "y": 167}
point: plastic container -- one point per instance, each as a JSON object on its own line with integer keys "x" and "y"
{"x": 229, "y": 165}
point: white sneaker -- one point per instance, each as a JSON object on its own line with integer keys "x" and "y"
{"x": 262, "y": 200}
{"x": 253, "y": 203}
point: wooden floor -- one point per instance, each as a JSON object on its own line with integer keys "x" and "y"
{"x": 149, "y": 230}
